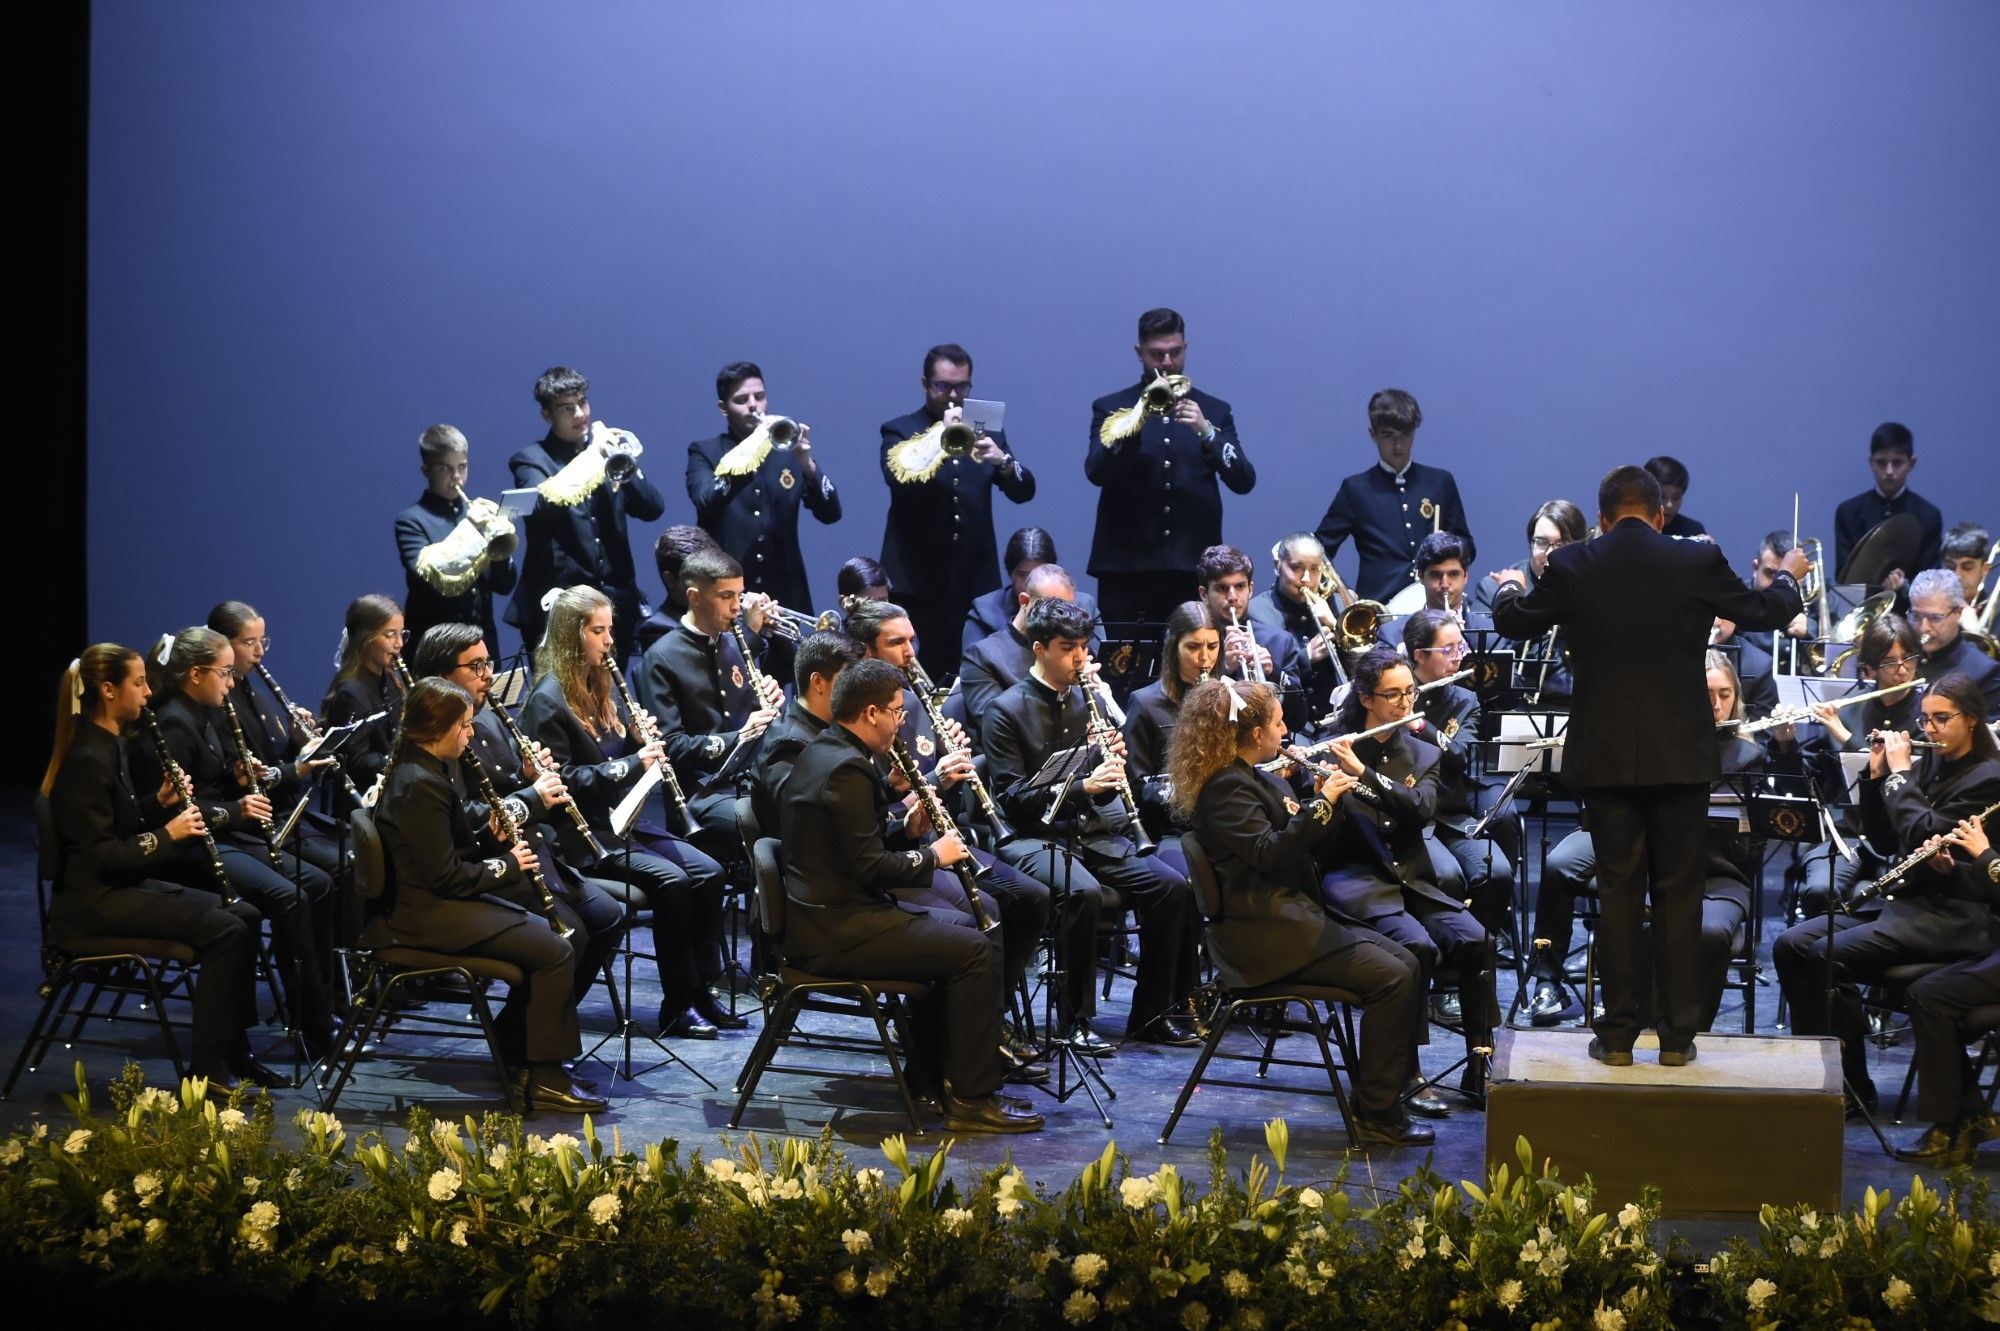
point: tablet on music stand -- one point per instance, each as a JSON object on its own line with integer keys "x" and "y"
{"x": 508, "y": 686}
{"x": 518, "y": 504}
{"x": 985, "y": 417}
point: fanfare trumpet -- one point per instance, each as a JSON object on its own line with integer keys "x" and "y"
{"x": 1158, "y": 398}
{"x": 772, "y": 432}
{"x": 607, "y": 454}
{"x": 483, "y": 535}
{"x": 918, "y": 458}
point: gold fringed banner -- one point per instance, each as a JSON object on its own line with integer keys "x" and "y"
{"x": 749, "y": 455}
{"x": 1159, "y": 396}
{"x": 918, "y": 458}
{"x": 578, "y": 479}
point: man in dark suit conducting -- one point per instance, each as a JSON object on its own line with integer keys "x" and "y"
{"x": 1637, "y": 607}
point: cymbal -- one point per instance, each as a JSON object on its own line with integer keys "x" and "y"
{"x": 1890, "y": 543}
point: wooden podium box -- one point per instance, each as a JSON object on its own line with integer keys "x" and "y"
{"x": 1753, "y": 1119}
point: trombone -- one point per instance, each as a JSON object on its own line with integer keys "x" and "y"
{"x": 1358, "y": 621}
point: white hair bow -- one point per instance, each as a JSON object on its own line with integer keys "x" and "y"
{"x": 164, "y": 648}
{"x": 76, "y": 685}
{"x": 1235, "y": 699}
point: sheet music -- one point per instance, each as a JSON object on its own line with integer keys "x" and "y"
{"x": 628, "y": 808}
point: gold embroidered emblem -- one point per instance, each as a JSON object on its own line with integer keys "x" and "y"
{"x": 1427, "y": 509}
{"x": 1450, "y": 728}
{"x": 1322, "y": 811}
{"x": 1292, "y": 806}
{"x": 1786, "y": 822}
{"x": 736, "y": 675}
{"x": 1411, "y": 780}
{"x": 926, "y": 745}
{"x": 1993, "y": 870}
{"x": 786, "y": 479}
{"x": 1121, "y": 660}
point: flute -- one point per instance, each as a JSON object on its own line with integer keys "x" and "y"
{"x": 1413, "y": 719}
{"x": 510, "y": 833}
{"x": 1792, "y": 716}
{"x": 1422, "y": 689}
{"x": 179, "y": 777}
{"x": 547, "y": 765}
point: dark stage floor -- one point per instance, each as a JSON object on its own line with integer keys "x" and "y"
{"x": 667, "y": 1102}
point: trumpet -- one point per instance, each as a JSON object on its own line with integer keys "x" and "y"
{"x": 510, "y": 833}
{"x": 483, "y": 535}
{"x": 543, "y": 764}
{"x": 621, "y": 456}
{"x": 607, "y": 454}
{"x": 927, "y": 695}
{"x": 957, "y": 439}
{"x": 968, "y": 870}
{"x": 1253, "y": 664}
{"x": 791, "y": 625}
{"x": 782, "y": 431}
{"x": 1101, "y": 733}
{"x": 1165, "y": 390}
{"x": 179, "y": 777}
{"x": 642, "y": 726}
{"x": 1901, "y": 868}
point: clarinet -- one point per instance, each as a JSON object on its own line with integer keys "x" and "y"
{"x": 510, "y": 833}
{"x": 968, "y": 870}
{"x": 760, "y": 683}
{"x": 1897, "y": 871}
{"x": 402, "y": 673}
{"x": 1100, "y": 734}
{"x": 181, "y": 783}
{"x": 305, "y": 723}
{"x": 255, "y": 782}
{"x": 926, "y": 692}
{"x": 647, "y": 735}
{"x": 521, "y": 743}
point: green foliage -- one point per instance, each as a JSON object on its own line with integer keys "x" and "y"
{"x": 167, "y": 1191}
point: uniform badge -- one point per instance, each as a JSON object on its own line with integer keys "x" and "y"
{"x": 1121, "y": 660}
{"x": 1427, "y": 509}
{"x": 1450, "y": 728}
{"x": 1228, "y": 455}
{"x": 713, "y": 746}
{"x": 1993, "y": 870}
{"x": 498, "y": 868}
{"x": 1291, "y": 806}
{"x": 736, "y": 675}
{"x": 148, "y": 843}
{"x": 916, "y": 858}
{"x": 619, "y": 767}
{"x": 926, "y": 745}
{"x": 1895, "y": 781}
{"x": 786, "y": 479}
{"x": 1411, "y": 780}
{"x": 1322, "y": 811}
{"x": 1787, "y": 822}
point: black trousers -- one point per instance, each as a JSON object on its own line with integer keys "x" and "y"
{"x": 537, "y": 1023}
{"x": 1479, "y": 870}
{"x": 1651, "y": 842}
{"x": 1938, "y": 1002}
{"x": 1389, "y": 982}
{"x": 684, "y": 888}
{"x": 1168, "y": 958}
{"x": 1124, "y": 597}
{"x": 1436, "y": 934}
{"x": 1018, "y": 902}
{"x": 293, "y": 897}
{"x": 957, "y": 1029}
{"x": 224, "y": 939}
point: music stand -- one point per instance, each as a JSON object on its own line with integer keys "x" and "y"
{"x": 1128, "y": 658}
{"x": 1059, "y": 774}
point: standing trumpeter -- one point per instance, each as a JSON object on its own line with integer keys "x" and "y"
{"x": 938, "y": 543}
{"x": 748, "y": 482}
{"x": 589, "y": 482}
{"x": 1389, "y": 508}
{"x": 458, "y": 554}
{"x": 1155, "y": 454}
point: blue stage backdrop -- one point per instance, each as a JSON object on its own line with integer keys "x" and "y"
{"x": 1580, "y": 233}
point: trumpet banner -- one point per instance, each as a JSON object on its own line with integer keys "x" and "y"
{"x": 918, "y": 457}
{"x": 749, "y": 455}
{"x": 1123, "y": 424}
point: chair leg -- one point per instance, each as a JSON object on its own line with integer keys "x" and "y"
{"x": 483, "y": 1010}
{"x": 1319, "y": 1029}
{"x": 1215, "y": 1034}
{"x": 874, "y": 1009}
{"x": 84, "y": 1013}
{"x": 371, "y": 1004}
{"x": 42, "y": 1020}
{"x": 158, "y": 1000}
{"x": 1903, "y": 1097}
{"x": 777, "y": 1025}
{"x": 64, "y": 1006}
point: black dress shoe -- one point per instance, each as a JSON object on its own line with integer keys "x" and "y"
{"x": 1941, "y": 1144}
{"x": 1677, "y": 1058}
{"x": 1163, "y": 1030}
{"x": 1089, "y": 1043}
{"x": 1982, "y": 1128}
{"x": 1022, "y": 1071}
{"x": 988, "y": 1113}
{"x": 1422, "y": 1101}
{"x": 688, "y": 1025}
{"x": 1610, "y": 1058}
{"x": 1398, "y": 1131}
{"x": 1446, "y": 1010}
{"x": 1549, "y": 1005}
{"x": 554, "y": 1091}
{"x": 320, "y": 1046}
{"x": 249, "y": 1069}
{"x": 588, "y": 1084}
{"x": 221, "y": 1087}
{"x": 718, "y": 1016}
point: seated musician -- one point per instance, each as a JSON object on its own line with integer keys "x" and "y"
{"x": 1272, "y": 927}
{"x": 1191, "y": 651}
{"x": 190, "y": 686}
{"x": 114, "y": 849}
{"x": 1756, "y": 667}
{"x": 454, "y": 551}
{"x": 886, "y": 633}
{"x": 858, "y": 579}
{"x": 819, "y": 661}
{"x": 669, "y": 552}
{"x": 1298, "y": 563}
{"x": 1541, "y": 667}
{"x": 702, "y": 688}
{"x": 1378, "y": 866}
{"x": 1000, "y": 660}
{"x": 1475, "y": 870}
{"x": 368, "y": 683}
{"x": 1251, "y": 651}
{"x": 1907, "y": 797}
{"x": 1947, "y": 1089}
{"x": 1725, "y": 903}
{"x": 1444, "y": 562}
{"x": 444, "y": 894}
{"x": 1046, "y": 712}
{"x": 1027, "y": 550}
{"x": 1937, "y": 608}
{"x": 536, "y": 795}
{"x": 843, "y": 918}
{"x": 602, "y": 752}
{"x": 1965, "y": 552}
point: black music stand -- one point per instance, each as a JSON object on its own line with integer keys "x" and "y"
{"x": 1059, "y": 775}
{"x": 1128, "y": 658}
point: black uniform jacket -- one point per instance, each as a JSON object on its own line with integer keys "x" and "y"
{"x": 839, "y": 869}
{"x": 938, "y": 542}
{"x": 1384, "y": 515}
{"x": 596, "y": 781}
{"x": 1260, "y": 840}
{"x": 1857, "y": 516}
{"x": 1150, "y": 716}
{"x": 588, "y": 543}
{"x": 107, "y": 837}
{"x": 1903, "y": 810}
{"x": 990, "y": 667}
{"x": 1960, "y": 655}
{"x": 427, "y": 522}
{"x": 699, "y": 689}
{"x": 1159, "y": 506}
{"x": 756, "y": 517}
{"x": 1379, "y": 845}
{"x": 1451, "y": 717}
{"x": 269, "y": 732}
{"x": 1018, "y": 733}
{"x": 196, "y": 739}
{"x": 993, "y": 611}
{"x": 1637, "y": 607}
{"x": 365, "y": 755}
{"x": 788, "y": 736}
{"x": 434, "y": 862}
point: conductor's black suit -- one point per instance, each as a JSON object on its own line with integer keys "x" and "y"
{"x": 1636, "y": 608}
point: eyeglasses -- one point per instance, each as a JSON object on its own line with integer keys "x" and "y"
{"x": 1544, "y": 543}
{"x": 1932, "y": 720}
{"x": 940, "y": 386}
{"x": 1396, "y": 695}
{"x": 1453, "y": 652}
{"x": 1926, "y": 617}
{"x": 261, "y": 644}
{"x": 1896, "y": 664}
{"x": 483, "y": 666}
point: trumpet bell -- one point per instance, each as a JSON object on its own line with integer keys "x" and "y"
{"x": 957, "y": 439}
{"x": 1164, "y": 391}
{"x": 1361, "y": 623}
{"x": 783, "y": 431}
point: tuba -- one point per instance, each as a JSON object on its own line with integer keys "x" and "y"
{"x": 483, "y": 535}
